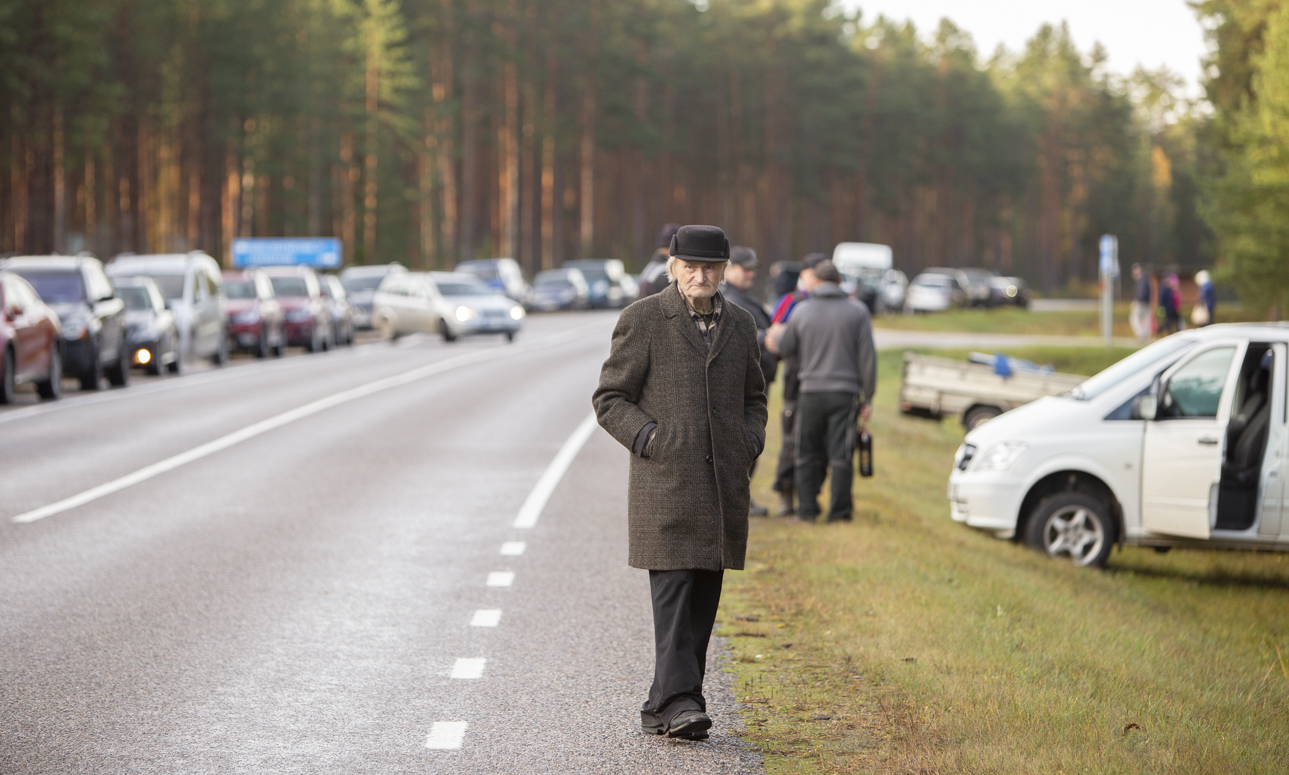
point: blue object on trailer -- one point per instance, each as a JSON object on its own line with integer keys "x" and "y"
{"x": 317, "y": 252}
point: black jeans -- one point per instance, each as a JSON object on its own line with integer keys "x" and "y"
{"x": 825, "y": 441}
{"x": 684, "y": 610}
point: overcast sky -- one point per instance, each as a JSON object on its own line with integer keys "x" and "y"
{"x": 1148, "y": 32}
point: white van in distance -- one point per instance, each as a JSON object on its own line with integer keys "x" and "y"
{"x": 1183, "y": 443}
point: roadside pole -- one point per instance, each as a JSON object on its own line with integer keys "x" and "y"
{"x": 1109, "y": 275}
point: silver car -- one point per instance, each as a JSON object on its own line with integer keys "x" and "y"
{"x": 450, "y": 304}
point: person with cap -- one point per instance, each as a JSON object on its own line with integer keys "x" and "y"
{"x": 653, "y": 278}
{"x": 737, "y": 288}
{"x": 785, "y": 473}
{"x": 831, "y": 336}
{"x": 682, "y": 389}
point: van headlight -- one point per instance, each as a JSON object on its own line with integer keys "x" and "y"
{"x": 999, "y": 457}
{"x": 464, "y": 313}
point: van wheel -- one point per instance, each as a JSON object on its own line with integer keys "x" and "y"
{"x": 978, "y": 416}
{"x": 1073, "y": 525}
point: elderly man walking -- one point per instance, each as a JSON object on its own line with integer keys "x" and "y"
{"x": 831, "y": 335}
{"x": 682, "y": 389}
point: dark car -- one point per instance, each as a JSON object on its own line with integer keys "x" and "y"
{"x": 28, "y": 341}
{"x": 93, "y": 335}
{"x": 255, "y": 320}
{"x": 360, "y": 284}
{"x": 604, "y": 281}
{"x": 1009, "y": 291}
{"x": 342, "y": 314}
{"x": 560, "y": 289}
{"x": 151, "y": 330}
{"x": 308, "y": 323}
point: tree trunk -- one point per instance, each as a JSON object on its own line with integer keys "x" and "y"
{"x": 587, "y": 195}
{"x": 370, "y": 162}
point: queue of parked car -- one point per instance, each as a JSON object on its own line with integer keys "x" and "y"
{"x": 941, "y": 288}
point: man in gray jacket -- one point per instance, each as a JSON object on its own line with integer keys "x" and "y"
{"x": 832, "y": 336}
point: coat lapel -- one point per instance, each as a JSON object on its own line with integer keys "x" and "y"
{"x": 678, "y": 311}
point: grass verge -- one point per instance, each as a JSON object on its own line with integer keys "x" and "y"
{"x": 1014, "y": 320}
{"x": 904, "y": 642}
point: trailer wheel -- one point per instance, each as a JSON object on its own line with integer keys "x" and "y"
{"x": 977, "y": 416}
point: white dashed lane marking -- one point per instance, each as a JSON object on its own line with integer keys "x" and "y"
{"x": 500, "y": 578}
{"x": 486, "y": 617}
{"x": 446, "y": 735}
{"x": 513, "y": 548}
{"x": 468, "y": 667}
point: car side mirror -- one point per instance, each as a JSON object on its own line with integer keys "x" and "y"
{"x": 1147, "y": 406}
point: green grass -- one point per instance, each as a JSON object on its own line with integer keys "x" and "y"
{"x": 1013, "y": 320}
{"x": 907, "y": 643}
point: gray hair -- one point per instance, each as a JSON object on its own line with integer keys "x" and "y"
{"x": 826, "y": 272}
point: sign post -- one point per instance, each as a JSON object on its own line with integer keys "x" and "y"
{"x": 317, "y": 252}
{"x": 1109, "y": 275}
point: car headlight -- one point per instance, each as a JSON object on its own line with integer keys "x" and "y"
{"x": 516, "y": 312}
{"x": 464, "y": 313}
{"x": 247, "y": 317}
{"x": 999, "y": 457}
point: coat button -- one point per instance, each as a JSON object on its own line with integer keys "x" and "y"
{"x": 709, "y": 458}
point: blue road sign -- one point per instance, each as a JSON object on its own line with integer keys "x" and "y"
{"x": 318, "y": 252}
{"x": 1109, "y": 255}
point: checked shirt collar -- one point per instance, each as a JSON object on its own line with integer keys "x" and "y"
{"x": 706, "y": 323}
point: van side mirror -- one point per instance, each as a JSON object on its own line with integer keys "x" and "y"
{"x": 1147, "y": 406}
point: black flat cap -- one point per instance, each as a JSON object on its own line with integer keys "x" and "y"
{"x": 812, "y": 260}
{"x": 744, "y": 257}
{"x": 700, "y": 243}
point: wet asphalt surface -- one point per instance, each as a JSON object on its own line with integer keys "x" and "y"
{"x": 297, "y": 602}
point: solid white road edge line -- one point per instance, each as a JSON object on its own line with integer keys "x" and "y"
{"x": 532, "y": 508}
{"x": 264, "y": 426}
{"x": 468, "y": 668}
{"x": 486, "y": 617}
{"x": 501, "y": 578}
{"x": 446, "y": 735}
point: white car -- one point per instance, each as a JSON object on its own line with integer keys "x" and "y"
{"x": 451, "y": 304}
{"x": 1183, "y": 443}
{"x": 932, "y": 293}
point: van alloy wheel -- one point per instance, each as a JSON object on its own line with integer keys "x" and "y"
{"x": 1072, "y": 525}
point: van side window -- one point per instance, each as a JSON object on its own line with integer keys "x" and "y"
{"x": 1195, "y": 389}
{"x": 96, "y": 283}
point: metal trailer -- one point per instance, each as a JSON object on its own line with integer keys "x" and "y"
{"x": 975, "y": 392}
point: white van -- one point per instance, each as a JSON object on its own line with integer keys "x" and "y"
{"x": 1183, "y": 443}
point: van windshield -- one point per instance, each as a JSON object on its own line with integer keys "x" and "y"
{"x": 1138, "y": 361}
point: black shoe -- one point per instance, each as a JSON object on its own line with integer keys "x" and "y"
{"x": 755, "y": 509}
{"x": 652, "y": 723}
{"x": 689, "y": 725}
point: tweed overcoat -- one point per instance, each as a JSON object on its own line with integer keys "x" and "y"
{"x": 688, "y": 501}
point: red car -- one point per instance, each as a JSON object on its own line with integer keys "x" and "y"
{"x": 254, "y": 314}
{"x": 308, "y": 319}
{"x": 28, "y": 339}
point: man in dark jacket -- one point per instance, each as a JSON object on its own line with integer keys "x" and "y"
{"x": 832, "y": 336}
{"x": 683, "y": 390}
{"x": 653, "y": 278}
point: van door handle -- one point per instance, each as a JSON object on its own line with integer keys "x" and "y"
{"x": 1209, "y": 440}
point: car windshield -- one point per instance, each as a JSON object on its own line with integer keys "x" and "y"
{"x": 1144, "y": 358}
{"x": 171, "y": 285}
{"x": 290, "y": 286}
{"x": 552, "y": 280}
{"x": 932, "y": 282}
{"x": 485, "y": 273}
{"x": 59, "y": 288}
{"x": 362, "y": 282}
{"x": 464, "y": 289}
{"x": 137, "y": 298}
{"x": 239, "y": 289}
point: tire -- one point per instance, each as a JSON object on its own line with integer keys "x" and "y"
{"x": 51, "y": 387}
{"x": 8, "y": 380}
{"x": 977, "y": 416}
{"x": 118, "y": 374}
{"x": 92, "y": 377}
{"x": 155, "y": 367}
{"x": 510, "y": 336}
{"x": 176, "y": 366}
{"x": 221, "y": 353}
{"x": 448, "y": 336}
{"x": 386, "y": 330}
{"x": 1075, "y": 525}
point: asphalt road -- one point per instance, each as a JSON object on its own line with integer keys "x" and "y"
{"x": 293, "y": 566}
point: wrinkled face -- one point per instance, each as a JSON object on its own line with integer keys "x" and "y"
{"x": 698, "y": 279}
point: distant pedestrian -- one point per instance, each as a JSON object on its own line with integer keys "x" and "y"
{"x": 831, "y": 335}
{"x": 653, "y": 278}
{"x": 740, "y": 274}
{"x": 1205, "y": 311}
{"x": 682, "y": 389}
{"x": 1170, "y": 305}
{"x": 785, "y": 472}
{"x": 1139, "y": 316}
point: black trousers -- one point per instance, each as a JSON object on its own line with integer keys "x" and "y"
{"x": 684, "y": 610}
{"x": 786, "y": 472}
{"x": 825, "y": 442}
